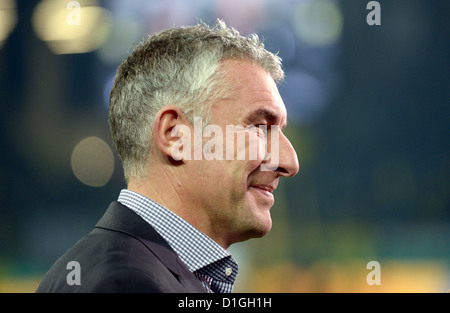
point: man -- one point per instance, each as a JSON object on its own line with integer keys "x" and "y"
{"x": 186, "y": 201}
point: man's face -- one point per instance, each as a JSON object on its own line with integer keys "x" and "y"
{"x": 237, "y": 194}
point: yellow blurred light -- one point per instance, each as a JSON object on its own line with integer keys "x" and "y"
{"x": 318, "y": 22}
{"x": 349, "y": 276}
{"x": 78, "y": 28}
{"x": 92, "y": 162}
{"x": 8, "y": 18}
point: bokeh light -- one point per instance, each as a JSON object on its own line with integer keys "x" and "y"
{"x": 92, "y": 162}
{"x": 71, "y": 29}
{"x": 317, "y": 22}
{"x": 8, "y": 19}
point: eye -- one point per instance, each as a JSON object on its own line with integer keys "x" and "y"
{"x": 261, "y": 129}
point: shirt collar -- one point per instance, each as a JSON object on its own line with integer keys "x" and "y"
{"x": 194, "y": 248}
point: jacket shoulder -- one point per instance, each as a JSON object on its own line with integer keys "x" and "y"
{"x": 109, "y": 261}
{"x": 122, "y": 254}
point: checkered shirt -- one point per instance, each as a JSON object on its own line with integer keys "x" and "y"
{"x": 209, "y": 262}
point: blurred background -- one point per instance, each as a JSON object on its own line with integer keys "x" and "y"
{"x": 369, "y": 117}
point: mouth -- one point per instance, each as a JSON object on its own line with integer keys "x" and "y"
{"x": 265, "y": 190}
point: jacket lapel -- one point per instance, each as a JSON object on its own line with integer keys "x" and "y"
{"x": 120, "y": 218}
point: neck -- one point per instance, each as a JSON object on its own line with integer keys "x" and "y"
{"x": 164, "y": 186}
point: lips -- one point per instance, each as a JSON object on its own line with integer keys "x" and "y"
{"x": 265, "y": 188}
{"x": 266, "y": 191}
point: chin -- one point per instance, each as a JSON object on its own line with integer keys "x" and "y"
{"x": 261, "y": 225}
{"x": 255, "y": 218}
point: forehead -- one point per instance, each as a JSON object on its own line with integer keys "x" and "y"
{"x": 255, "y": 94}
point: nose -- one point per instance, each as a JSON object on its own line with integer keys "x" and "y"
{"x": 288, "y": 161}
{"x": 282, "y": 157}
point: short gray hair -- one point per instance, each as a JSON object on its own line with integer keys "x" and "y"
{"x": 179, "y": 66}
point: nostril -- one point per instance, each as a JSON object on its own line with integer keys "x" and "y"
{"x": 282, "y": 170}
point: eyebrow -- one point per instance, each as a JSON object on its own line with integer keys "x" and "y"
{"x": 269, "y": 115}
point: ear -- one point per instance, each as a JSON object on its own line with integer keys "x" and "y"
{"x": 171, "y": 133}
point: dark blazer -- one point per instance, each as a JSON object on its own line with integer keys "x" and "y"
{"x": 122, "y": 254}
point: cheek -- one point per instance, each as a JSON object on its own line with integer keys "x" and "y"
{"x": 229, "y": 176}
{"x": 248, "y": 147}
{"x": 257, "y": 147}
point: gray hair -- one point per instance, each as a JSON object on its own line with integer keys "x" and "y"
{"x": 179, "y": 66}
